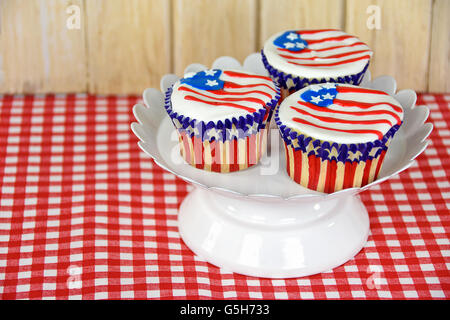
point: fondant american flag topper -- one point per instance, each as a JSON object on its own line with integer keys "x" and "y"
{"x": 346, "y": 113}
{"x": 226, "y": 90}
{"x": 320, "y": 48}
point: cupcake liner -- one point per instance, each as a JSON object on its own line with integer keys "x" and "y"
{"x": 222, "y": 156}
{"x": 225, "y": 146}
{"x": 328, "y": 166}
{"x": 233, "y": 128}
{"x": 290, "y": 83}
{"x": 330, "y": 175}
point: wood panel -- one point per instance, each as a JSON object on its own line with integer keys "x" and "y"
{"x": 401, "y": 45}
{"x": 439, "y": 77}
{"x": 124, "y": 46}
{"x": 282, "y": 15}
{"x": 128, "y": 44}
{"x": 205, "y": 30}
{"x": 38, "y": 53}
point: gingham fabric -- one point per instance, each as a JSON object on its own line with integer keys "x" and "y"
{"x": 84, "y": 214}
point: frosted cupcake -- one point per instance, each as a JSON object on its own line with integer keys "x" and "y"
{"x": 221, "y": 117}
{"x": 296, "y": 59}
{"x": 336, "y": 135}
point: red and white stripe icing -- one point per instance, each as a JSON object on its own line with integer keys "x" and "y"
{"x": 243, "y": 93}
{"x": 330, "y": 53}
{"x": 357, "y": 115}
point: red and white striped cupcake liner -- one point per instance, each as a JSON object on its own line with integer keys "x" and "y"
{"x": 330, "y": 175}
{"x": 223, "y": 156}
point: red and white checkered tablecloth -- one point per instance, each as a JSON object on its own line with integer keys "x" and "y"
{"x": 85, "y": 214}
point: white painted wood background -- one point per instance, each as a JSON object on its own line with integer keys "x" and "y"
{"x": 124, "y": 46}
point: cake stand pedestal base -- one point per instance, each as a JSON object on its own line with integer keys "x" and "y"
{"x": 273, "y": 238}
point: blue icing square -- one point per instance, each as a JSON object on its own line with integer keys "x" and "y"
{"x": 321, "y": 95}
{"x": 205, "y": 80}
{"x": 291, "y": 40}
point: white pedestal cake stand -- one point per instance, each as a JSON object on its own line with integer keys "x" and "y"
{"x": 258, "y": 221}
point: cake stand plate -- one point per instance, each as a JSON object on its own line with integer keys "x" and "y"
{"x": 259, "y": 222}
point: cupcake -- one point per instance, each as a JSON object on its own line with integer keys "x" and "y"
{"x": 296, "y": 59}
{"x": 336, "y": 135}
{"x": 221, "y": 117}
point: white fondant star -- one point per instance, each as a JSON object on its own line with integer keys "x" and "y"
{"x": 211, "y": 83}
{"x": 288, "y": 45}
{"x": 315, "y": 87}
{"x": 210, "y": 72}
{"x": 316, "y": 99}
{"x": 300, "y": 45}
{"x": 329, "y": 85}
{"x": 327, "y": 96}
{"x": 292, "y": 36}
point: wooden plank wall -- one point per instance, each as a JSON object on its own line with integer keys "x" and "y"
{"x": 37, "y": 52}
{"x": 401, "y": 45}
{"x": 124, "y": 46}
{"x": 204, "y": 32}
